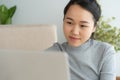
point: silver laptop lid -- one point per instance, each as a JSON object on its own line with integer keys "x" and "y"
{"x": 23, "y": 65}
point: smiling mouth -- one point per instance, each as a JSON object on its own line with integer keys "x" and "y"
{"x": 74, "y": 38}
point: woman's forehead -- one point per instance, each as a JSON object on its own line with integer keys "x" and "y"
{"x": 76, "y": 10}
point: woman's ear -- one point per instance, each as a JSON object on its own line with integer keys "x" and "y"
{"x": 94, "y": 29}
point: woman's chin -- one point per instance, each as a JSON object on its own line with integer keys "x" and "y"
{"x": 74, "y": 44}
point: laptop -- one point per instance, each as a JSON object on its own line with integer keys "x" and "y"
{"x": 25, "y": 65}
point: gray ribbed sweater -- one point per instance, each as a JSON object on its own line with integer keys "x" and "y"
{"x": 92, "y": 60}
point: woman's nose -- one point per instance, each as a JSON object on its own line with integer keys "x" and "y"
{"x": 76, "y": 30}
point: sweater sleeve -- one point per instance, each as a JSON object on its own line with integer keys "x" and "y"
{"x": 55, "y": 47}
{"x": 108, "y": 67}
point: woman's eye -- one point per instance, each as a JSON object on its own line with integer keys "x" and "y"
{"x": 83, "y": 25}
{"x": 69, "y": 22}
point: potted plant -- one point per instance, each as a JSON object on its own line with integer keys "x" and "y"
{"x": 107, "y": 33}
{"x": 6, "y": 14}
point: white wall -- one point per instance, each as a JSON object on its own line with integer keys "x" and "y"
{"x": 111, "y": 8}
{"x": 51, "y": 12}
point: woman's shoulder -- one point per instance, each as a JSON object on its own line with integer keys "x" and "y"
{"x": 56, "y": 47}
{"x": 103, "y": 46}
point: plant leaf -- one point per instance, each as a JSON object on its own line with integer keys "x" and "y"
{"x": 12, "y": 11}
{"x": 3, "y": 14}
{"x": 8, "y": 21}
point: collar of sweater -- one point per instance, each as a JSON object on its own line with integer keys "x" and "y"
{"x": 79, "y": 48}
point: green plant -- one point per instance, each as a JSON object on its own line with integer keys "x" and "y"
{"x": 6, "y": 14}
{"x": 107, "y": 33}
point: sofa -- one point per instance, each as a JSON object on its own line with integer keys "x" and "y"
{"x": 27, "y": 37}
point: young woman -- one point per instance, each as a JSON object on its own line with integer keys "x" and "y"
{"x": 89, "y": 59}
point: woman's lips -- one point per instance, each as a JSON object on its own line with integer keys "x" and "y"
{"x": 73, "y": 38}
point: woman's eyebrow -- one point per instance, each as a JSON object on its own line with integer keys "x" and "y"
{"x": 84, "y": 22}
{"x": 80, "y": 21}
{"x": 69, "y": 18}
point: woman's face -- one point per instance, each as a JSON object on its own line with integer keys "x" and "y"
{"x": 78, "y": 25}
